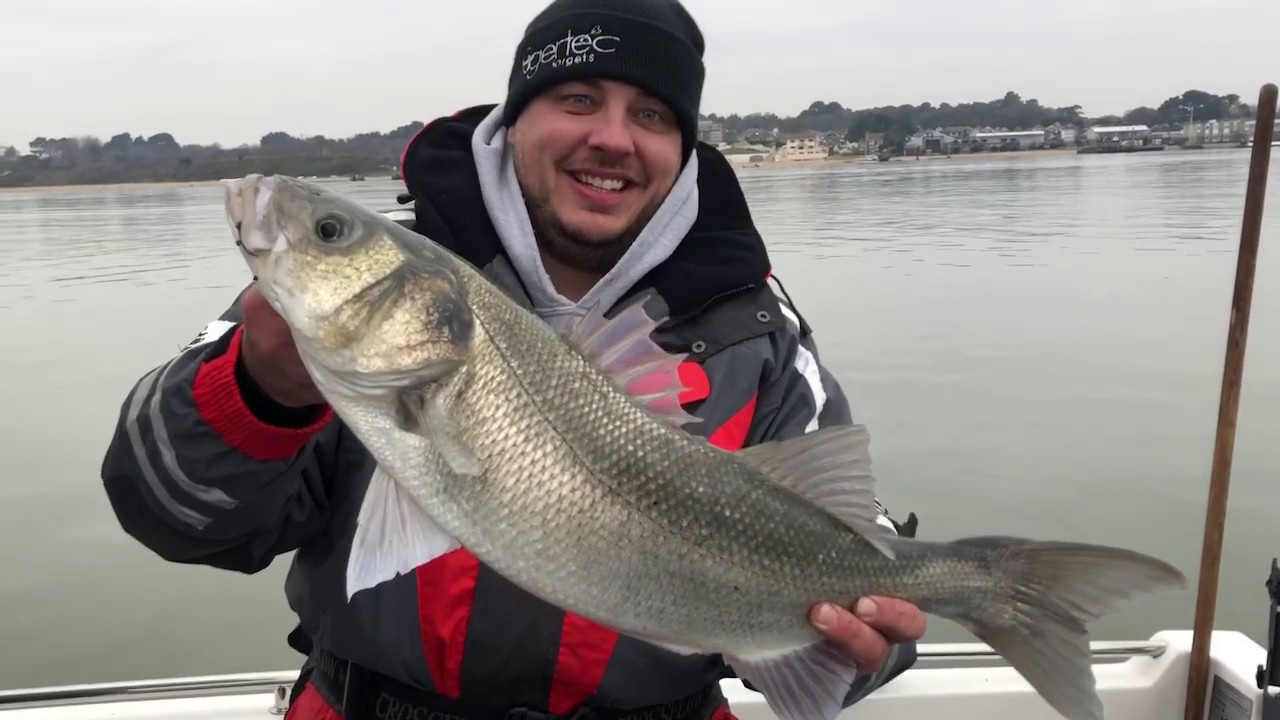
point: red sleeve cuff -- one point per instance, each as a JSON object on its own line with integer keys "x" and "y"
{"x": 221, "y": 406}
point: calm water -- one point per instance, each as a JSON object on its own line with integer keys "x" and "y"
{"x": 1036, "y": 344}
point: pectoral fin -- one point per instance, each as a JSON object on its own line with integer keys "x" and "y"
{"x": 393, "y": 536}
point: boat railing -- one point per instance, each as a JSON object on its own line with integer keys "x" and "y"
{"x": 279, "y": 682}
{"x": 930, "y": 655}
{"x": 949, "y": 655}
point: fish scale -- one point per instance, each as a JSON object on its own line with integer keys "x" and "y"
{"x": 560, "y": 461}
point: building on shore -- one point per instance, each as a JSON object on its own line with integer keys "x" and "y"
{"x": 710, "y": 132}
{"x": 1009, "y": 139}
{"x": 801, "y": 146}
{"x": 747, "y": 154}
{"x": 935, "y": 142}
{"x": 1235, "y": 131}
{"x": 1140, "y": 134}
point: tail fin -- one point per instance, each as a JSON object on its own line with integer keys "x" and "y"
{"x": 1045, "y": 593}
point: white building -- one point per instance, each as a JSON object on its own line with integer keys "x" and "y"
{"x": 1117, "y": 133}
{"x": 1023, "y": 139}
{"x": 934, "y": 141}
{"x": 745, "y": 154}
{"x": 801, "y": 149}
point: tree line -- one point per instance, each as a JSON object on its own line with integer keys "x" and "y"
{"x": 1010, "y": 112}
{"x": 160, "y": 157}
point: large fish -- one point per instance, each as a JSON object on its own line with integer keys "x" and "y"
{"x": 558, "y": 459}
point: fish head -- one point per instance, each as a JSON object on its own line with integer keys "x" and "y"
{"x": 373, "y": 306}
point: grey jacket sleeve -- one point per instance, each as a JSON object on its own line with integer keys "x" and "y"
{"x": 198, "y": 477}
{"x": 801, "y": 395}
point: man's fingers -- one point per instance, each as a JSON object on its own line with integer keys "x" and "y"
{"x": 897, "y": 620}
{"x": 866, "y": 633}
{"x": 867, "y": 647}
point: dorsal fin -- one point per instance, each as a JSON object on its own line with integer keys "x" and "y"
{"x": 830, "y": 468}
{"x": 623, "y": 349}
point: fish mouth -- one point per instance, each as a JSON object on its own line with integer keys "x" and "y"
{"x": 248, "y": 202}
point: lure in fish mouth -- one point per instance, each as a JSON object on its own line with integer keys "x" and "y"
{"x": 248, "y": 198}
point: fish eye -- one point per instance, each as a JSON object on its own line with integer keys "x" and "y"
{"x": 330, "y": 228}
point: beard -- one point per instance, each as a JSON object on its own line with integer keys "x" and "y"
{"x": 576, "y": 250}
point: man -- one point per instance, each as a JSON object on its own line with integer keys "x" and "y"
{"x": 586, "y": 185}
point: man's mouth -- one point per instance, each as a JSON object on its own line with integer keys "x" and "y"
{"x": 603, "y": 184}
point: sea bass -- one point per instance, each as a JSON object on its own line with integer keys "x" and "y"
{"x": 559, "y": 460}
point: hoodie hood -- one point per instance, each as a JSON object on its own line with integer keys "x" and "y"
{"x": 495, "y": 166}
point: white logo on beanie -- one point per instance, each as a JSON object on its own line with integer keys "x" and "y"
{"x": 572, "y": 49}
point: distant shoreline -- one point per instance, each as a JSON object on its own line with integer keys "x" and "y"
{"x": 146, "y": 184}
{"x": 825, "y": 162}
{"x": 1004, "y": 155}
{"x": 865, "y": 160}
{"x": 1008, "y": 155}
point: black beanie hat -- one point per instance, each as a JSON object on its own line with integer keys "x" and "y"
{"x": 652, "y": 44}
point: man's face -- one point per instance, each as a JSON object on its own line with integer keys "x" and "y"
{"x": 595, "y": 160}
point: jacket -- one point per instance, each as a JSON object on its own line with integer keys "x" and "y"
{"x": 204, "y": 468}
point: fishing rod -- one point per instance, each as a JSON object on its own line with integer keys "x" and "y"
{"x": 1229, "y": 404}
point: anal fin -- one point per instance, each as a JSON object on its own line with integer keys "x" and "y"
{"x": 393, "y": 536}
{"x": 623, "y": 350}
{"x": 810, "y": 683}
{"x": 831, "y": 468}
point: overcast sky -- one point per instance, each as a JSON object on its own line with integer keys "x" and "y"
{"x": 230, "y": 71}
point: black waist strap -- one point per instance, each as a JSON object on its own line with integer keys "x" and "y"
{"x": 362, "y": 694}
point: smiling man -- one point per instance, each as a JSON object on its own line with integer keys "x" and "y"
{"x": 586, "y": 185}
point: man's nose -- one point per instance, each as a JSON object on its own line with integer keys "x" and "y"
{"x": 612, "y": 132}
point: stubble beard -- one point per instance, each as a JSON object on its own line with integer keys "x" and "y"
{"x": 577, "y": 250}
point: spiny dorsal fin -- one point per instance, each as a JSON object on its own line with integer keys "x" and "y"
{"x": 830, "y": 468}
{"x": 623, "y": 350}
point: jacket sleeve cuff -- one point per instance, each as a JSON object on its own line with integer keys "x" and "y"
{"x": 221, "y": 403}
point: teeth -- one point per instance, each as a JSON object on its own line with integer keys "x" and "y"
{"x": 610, "y": 184}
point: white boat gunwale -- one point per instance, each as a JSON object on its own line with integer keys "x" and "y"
{"x": 1139, "y": 680}
{"x": 931, "y": 655}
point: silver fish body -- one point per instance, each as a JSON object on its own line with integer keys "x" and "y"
{"x": 559, "y": 461}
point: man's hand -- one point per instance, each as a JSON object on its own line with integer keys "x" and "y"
{"x": 866, "y": 633}
{"x": 271, "y": 357}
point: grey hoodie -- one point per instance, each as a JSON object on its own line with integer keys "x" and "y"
{"x": 505, "y": 204}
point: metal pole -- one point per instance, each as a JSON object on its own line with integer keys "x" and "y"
{"x": 1229, "y": 404}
